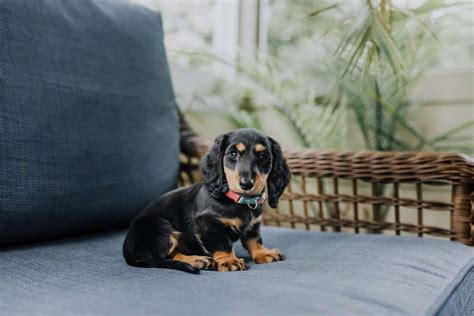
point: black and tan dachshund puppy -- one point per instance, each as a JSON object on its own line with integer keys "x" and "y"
{"x": 194, "y": 228}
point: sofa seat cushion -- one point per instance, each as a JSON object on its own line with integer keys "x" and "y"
{"x": 89, "y": 132}
{"x": 325, "y": 273}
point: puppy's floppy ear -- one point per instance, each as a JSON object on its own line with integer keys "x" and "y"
{"x": 211, "y": 166}
{"x": 279, "y": 176}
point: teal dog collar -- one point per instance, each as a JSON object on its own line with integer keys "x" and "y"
{"x": 253, "y": 202}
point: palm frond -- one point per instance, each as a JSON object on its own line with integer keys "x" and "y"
{"x": 449, "y": 134}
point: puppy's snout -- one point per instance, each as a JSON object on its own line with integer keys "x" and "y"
{"x": 246, "y": 184}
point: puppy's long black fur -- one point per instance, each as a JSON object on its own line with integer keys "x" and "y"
{"x": 194, "y": 228}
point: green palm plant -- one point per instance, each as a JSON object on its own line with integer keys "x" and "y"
{"x": 376, "y": 63}
{"x": 361, "y": 69}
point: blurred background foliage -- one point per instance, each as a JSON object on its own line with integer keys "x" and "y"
{"x": 340, "y": 73}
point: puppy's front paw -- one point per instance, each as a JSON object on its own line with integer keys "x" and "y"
{"x": 197, "y": 262}
{"x": 227, "y": 261}
{"x": 265, "y": 255}
{"x": 202, "y": 262}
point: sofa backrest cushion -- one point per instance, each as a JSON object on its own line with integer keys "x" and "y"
{"x": 89, "y": 131}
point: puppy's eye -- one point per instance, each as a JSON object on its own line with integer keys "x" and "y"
{"x": 263, "y": 158}
{"x": 233, "y": 154}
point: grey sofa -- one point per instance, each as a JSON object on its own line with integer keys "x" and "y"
{"x": 89, "y": 136}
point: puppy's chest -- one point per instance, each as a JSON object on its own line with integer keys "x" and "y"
{"x": 241, "y": 224}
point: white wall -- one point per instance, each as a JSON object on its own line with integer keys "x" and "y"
{"x": 449, "y": 99}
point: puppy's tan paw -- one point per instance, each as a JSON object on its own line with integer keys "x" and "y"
{"x": 206, "y": 263}
{"x": 265, "y": 255}
{"x": 227, "y": 261}
{"x": 198, "y": 262}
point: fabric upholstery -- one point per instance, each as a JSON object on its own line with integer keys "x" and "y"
{"x": 324, "y": 274}
{"x": 460, "y": 300}
{"x": 88, "y": 125}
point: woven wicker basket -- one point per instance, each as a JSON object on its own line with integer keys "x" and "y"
{"x": 374, "y": 192}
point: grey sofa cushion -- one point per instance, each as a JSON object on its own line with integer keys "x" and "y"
{"x": 88, "y": 125}
{"x": 325, "y": 273}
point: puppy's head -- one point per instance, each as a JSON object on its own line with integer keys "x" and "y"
{"x": 247, "y": 161}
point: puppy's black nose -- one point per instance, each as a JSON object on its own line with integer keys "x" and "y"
{"x": 246, "y": 184}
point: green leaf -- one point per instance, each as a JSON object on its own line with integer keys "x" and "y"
{"x": 358, "y": 50}
{"x": 451, "y": 132}
{"x": 416, "y": 17}
{"x": 319, "y": 11}
{"x": 432, "y": 5}
{"x": 359, "y": 23}
{"x": 387, "y": 45}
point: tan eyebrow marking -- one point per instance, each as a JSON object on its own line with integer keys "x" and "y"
{"x": 259, "y": 148}
{"x": 240, "y": 147}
